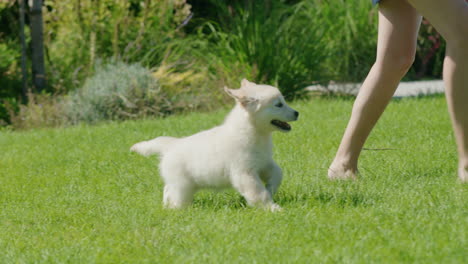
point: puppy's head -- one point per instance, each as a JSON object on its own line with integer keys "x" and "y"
{"x": 265, "y": 105}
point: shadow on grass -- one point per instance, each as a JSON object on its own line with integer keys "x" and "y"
{"x": 221, "y": 200}
{"x": 349, "y": 196}
{"x": 343, "y": 197}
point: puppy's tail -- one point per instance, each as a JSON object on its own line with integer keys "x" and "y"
{"x": 155, "y": 146}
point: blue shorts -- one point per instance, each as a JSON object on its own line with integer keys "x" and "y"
{"x": 374, "y": 2}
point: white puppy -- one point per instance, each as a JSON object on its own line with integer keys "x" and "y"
{"x": 237, "y": 153}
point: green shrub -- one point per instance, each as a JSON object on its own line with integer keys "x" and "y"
{"x": 275, "y": 40}
{"x": 117, "y": 91}
{"x": 10, "y": 80}
{"x": 41, "y": 110}
{"x": 10, "y": 54}
{"x": 120, "y": 91}
{"x": 79, "y": 32}
{"x": 351, "y": 38}
{"x": 293, "y": 45}
{"x": 430, "y": 53}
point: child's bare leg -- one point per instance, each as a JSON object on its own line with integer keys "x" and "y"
{"x": 398, "y": 27}
{"x": 456, "y": 82}
{"x": 450, "y": 18}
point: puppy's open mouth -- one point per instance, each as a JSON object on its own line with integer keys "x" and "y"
{"x": 282, "y": 125}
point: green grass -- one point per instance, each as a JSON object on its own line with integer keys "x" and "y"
{"x": 76, "y": 195}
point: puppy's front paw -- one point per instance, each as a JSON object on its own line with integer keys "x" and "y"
{"x": 275, "y": 208}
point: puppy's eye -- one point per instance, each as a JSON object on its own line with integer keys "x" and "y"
{"x": 279, "y": 104}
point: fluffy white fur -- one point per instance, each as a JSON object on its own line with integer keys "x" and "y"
{"x": 236, "y": 154}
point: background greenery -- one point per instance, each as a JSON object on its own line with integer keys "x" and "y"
{"x": 77, "y": 195}
{"x": 193, "y": 48}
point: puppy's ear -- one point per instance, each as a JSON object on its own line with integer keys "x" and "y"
{"x": 236, "y": 94}
{"x": 240, "y": 95}
{"x": 246, "y": 83}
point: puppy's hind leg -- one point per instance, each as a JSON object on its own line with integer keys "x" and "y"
{"x": 179, "y": 188}
{"x": 178, "y": 195}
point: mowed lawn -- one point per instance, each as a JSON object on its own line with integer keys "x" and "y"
{"x": 77, "y": 195}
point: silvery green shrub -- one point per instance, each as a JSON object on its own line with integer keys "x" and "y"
{"x": 117, "y": 91}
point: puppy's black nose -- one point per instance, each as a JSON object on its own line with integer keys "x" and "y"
{"x": 296, "y": 113}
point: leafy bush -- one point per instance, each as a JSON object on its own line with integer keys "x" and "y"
{"x": 117, "y": 91}
{"x": 120, "y": 91}
{"x": 10, "y": 77}
{"x": 430, "y": 53}
{"x": 290, "y": 44}
{"x": 80, "y": 32}
{"x": 293, "y": 45}
{"x": 275, "y": 40}
{"x": 10, "y": 80}
{"x": 351, "y": 38}
{"x": 42, "y": 110}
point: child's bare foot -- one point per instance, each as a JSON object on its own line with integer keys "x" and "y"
{"x": 463, "y": 174}
{"x": 341, "y": 172}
